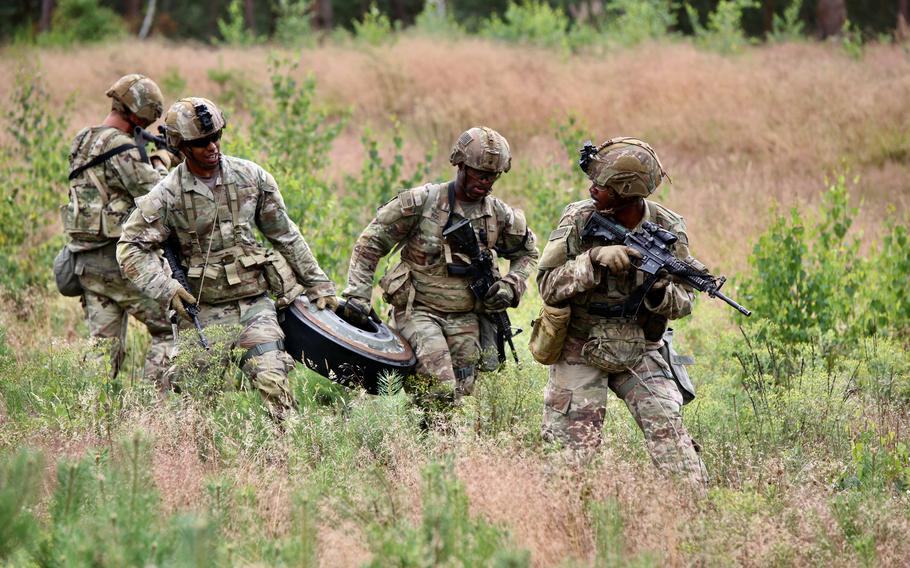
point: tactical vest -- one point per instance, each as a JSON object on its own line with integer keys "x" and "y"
{"x": 239, "y": 269}
{"x": 95, "y": 212}
{"x": 432, "y": 284}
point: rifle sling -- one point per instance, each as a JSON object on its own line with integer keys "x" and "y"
{"x": 100, "y": 159}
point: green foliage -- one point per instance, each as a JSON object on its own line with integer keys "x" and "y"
{"x": 889, "y": 307}
{"x": 375, "y": 28}
{"x": 787, "y": 27}
{"x": 852, "y": 40}
{"x": 33, "y": 165}
{"x": 609, "y": 536}
{"x": 723, "y": 32}
{"x": 292, "y": 23}
{"x": 172, "y": 83}
{"x": 806, "y": 276}
{"x": 233, "y": 30}
{"x": 446, "y": 535}
{"x": 20, "y": 476}
{"x": 436, "y": 20}
{"x": 82, "y": 21}
{"x": 880, "y": 463}
{"x": 532, "y": 22}
{"x": 104, "y": 511}
{"x": 630, "y": 22}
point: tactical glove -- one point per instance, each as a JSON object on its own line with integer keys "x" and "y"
{"x": 180, "y": 301}
{"x": 330, "y": 302}
{"x": 499, "y": 297}
{"x": 357, "y": 311}
{"x": 614, "y": 257}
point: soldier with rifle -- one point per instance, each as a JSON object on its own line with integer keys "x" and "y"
{"x": 203, "y": 214}
{"x": 109, "y": 170}
{"x": 617, "y": 269}
{"x": 447, "y": 295}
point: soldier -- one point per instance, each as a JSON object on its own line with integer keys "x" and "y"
{"x": 602, "y": 348}
{"x": 434, "y": 310}
{"x": 108, "y": 173}
{"x": 208, "y": 207}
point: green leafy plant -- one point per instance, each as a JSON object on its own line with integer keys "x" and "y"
{"x": 375, "y": 28}
{"x": 532, "y": 22}
{"x": 630, "y": 22}
{"x": 33, "y": 164}
{"x": 437, "y": 20}
{"x": 789, "y": 26}
{"x": 292, "y": 22}
{"x": 82, "y": 21}
{"x": 723, "y": 32}
{"x": 233, "y": 29}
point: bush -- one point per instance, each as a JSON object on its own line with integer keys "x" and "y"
{"x": 630, "y": 22}
{"x": 375, "y": 28}
{"x": 33, "y": 165}
{"x": 292, "y": 23}
{"x": 446, "y": 535}
{"x": 724, "y": 31}
{"x": 233, "y": 30}
{"x": 436, "y": 20}
{"x": 787, "y": 27}
{"x": 82, "y": 21}
{"x": 532, "y": 22}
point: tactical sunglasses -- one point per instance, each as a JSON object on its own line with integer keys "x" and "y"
{"x": 204, "y": 142}
{"x": 483, "y": 176}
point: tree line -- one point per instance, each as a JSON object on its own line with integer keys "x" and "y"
{"x": 176, "y": 19}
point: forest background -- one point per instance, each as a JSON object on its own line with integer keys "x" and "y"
{"x": 789, "y": 158}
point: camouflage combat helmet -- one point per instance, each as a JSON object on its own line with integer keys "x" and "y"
{"x": 139, "y": 95}
{"x": 628, "y": 166}
{"x": 482, "y": 148}
{"x": 192, "y": 118}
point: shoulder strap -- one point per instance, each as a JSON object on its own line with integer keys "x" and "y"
{"x": 100, "y": 159}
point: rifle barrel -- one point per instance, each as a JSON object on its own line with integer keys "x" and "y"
{"x": 731, "y": 302}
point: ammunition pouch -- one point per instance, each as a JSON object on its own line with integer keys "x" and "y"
{"x": 548, "y": 333}
{"x": 65, "y": 273}
{"x": 614, "y": 346}
{"x": 231, "y": 274}
{"x": 447, "y": 294}
{"x": 281, "y": 279}
{"x": 397, "y": 288}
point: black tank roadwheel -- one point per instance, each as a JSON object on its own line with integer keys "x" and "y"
{"x": 341, "y": 351}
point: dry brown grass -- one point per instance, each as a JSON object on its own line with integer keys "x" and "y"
{"x": 736, "y": 133}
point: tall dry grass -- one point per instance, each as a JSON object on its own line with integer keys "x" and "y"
{"x": 735, "y": 133}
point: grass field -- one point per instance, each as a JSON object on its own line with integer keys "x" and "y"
{"x": 807, "y": 444}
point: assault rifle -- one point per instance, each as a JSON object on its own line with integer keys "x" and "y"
{"x": 170, "y": 249}
{"x": 461, "y": 235}
{"x": 653, "y": 243}
{"x": 142, "y": 136}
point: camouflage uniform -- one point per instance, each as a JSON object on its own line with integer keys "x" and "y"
{"x": 437, "y": 313}
{"x": 218, "y": 226}
{"x": 576, "y": 393}
{"x": 100, "y": 199}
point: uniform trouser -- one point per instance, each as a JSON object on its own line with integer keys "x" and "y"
{"x": 268, "y": 372}
{"x": 108, "y": 299}
{"x": 447, "y": 345}
{"x": 575, "y": 405}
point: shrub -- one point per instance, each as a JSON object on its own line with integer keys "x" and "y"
{"x": 789, "y": 26}
{"x": 446, "y": 535}
{"x": 82, "y": 21}
{"x": 531, "y": 22}
{"x": 234, "y": 30}
{"x": 33, "y": 165}
{"x": 375, "y": 28}
{"x": 437, "y": 20}
{"x": 630, "y": 22}
{"x": 724, "y": 31}
{"x": 292, "y": 23}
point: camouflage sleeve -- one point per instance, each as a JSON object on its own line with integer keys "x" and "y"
{"x": 143, "y": 233}
{"x": 273, "y": 220}
{"x": 677, "y": 298}
{"x": 520, "y": 245}
{"x": 128, "y": 171}
{"x": 564, "y": 270}
{"x": 392, "y": 224}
